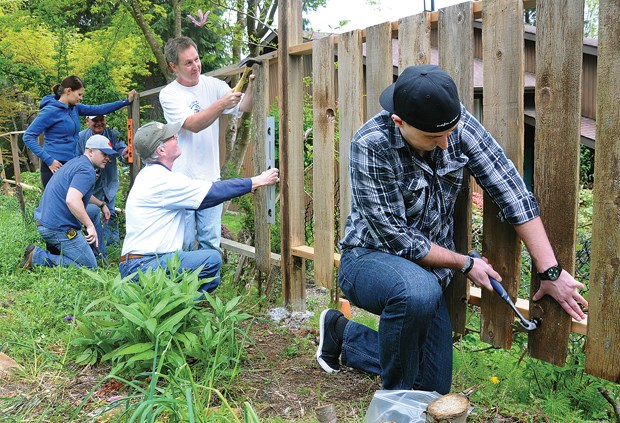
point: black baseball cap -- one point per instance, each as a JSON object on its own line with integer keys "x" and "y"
{"x": 425, "y": 97}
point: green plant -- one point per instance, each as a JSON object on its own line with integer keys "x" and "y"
{"x": 127, "y": 322}
{"x": 176, "y": 396}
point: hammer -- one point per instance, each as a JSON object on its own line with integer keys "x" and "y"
{"x": 248, "y": 62}
{"x": 497, "y": 287}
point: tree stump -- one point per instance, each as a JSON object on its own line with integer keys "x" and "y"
{"x": 326, "y": 414}
{"x": 449, "y": 408}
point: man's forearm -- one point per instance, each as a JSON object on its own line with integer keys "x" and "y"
{"x": 535, "y": 238}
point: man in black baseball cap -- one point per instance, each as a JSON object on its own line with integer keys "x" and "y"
{"x": 425, "y": 97}
{"x": 407, "y": 167}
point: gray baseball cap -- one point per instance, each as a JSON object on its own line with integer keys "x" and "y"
{"x": 100, "y": 142}
{"x": 148, "y": 137}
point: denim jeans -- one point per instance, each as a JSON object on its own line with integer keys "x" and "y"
{"x": 211, "y": 261}
{"x": 74, "y": 251}
{"x": 413, "y": 346}
{"x": 94, "y": 212}
{"x": 204, "y": 226}
{"x": 110, "y": 229}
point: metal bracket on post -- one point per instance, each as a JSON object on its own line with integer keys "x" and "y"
{"x": 270, "y": 146}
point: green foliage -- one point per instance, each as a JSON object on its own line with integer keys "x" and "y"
{"x": 130, "y": 319}
{"x": 176, "y": 397}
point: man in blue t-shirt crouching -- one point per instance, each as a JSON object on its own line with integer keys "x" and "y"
{"x": 63, "y": 212}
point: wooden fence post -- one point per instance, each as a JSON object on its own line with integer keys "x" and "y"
{"x": 351, "y": 106}
{"x": 503, "y": 117}
{"x": 456, "y": 56}
{"x": 133, "y": 113}
{"x": 559, "y": 44}
{"x": 290, "y": 103}
{"x": 18, "y": 179}
{"x": 260, "y": 110}
{"x": 379, "y": 66}
{"x": 414, "y": 40}
{"x": 603, "y": 346}
{"x": 324, "y": 111}
{"x": 5, "y": 185}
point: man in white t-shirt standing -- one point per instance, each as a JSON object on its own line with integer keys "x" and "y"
{"x": 198, "y": 101}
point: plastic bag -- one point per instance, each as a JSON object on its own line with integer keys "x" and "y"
{"x": 399, "y": 406}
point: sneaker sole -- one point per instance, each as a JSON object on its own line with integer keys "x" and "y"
{"x": 322, "y": 362}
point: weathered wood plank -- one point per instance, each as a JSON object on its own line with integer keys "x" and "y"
{"x": 133, "y": 116}
{"x": 379, "y": 66}
{"x": 260, "y": 110}
{"x": 324, "y": 111}
{"x": 5, "y": 185}
{"x": 414, "y": 40}
{"x": 17, "y": 171}
{"x": 603, "y": 346}
{"x": 456, "y": 56}
{"x": 559, "y": 43}
{"x": 351, "y": 103}
{"x": 503, "y": 117}
{"x": 291, "y": 144}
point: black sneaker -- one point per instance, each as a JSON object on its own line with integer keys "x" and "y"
{"x": 26, "y": 262}
{"x": 328, "y": 352}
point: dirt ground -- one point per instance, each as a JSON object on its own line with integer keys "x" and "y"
{"x": 281, "y": 378}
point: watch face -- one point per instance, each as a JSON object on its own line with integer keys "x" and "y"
{"x": 554, "y": 273}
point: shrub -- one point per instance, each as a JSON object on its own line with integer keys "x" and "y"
{"x": 130, "y": 319}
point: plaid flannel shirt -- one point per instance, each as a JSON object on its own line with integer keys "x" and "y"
{"x": 401, "y": 203}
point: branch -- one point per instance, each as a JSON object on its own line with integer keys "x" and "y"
{"x": 134, "y": 8}
{"x": 610, "y": 400}
{"x": 261, "y": 21}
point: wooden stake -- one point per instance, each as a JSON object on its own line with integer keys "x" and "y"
{"x": 450, "y": 408}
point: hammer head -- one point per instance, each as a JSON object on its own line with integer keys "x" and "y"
{"x": 249, "y": 62}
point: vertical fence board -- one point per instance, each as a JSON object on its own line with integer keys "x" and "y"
{"x": 603, "y": 346}
{"x": 291, "y": 144}
{"x": 456, "y": 56}
{"x": 5, "y": 185}
{"x": 503, "y": 117}
{"x": 351, "y": 106}
{"x": 324, "y": 111}
{"x": 18, "y": 178}
{"x": 260, "y": 110}
{"x": 559, "y": 43}
{"x": 379, "y": 65}
{"x": 133, "y": 113}
{"x": 414, "y": 40}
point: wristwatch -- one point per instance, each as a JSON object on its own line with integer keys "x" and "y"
{"x": 551, "y": 274}
{"x": 102, "y": 204}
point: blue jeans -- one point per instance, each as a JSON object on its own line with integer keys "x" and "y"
{"x": 204, "y": 226}
{"x": 413, "y": 347}
{"x": 211, "y": 261}
{"x": 75, "y": 251}
{"x": 110, "y": 229}
{"x": 94, "y": 213}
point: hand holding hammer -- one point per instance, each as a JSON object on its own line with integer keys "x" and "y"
{"x": 248, "y": 62}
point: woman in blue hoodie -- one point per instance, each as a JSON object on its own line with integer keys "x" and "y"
{"x": 59, "y": 122}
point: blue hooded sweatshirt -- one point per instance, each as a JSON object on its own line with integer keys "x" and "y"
{"x": 60, "y": 126}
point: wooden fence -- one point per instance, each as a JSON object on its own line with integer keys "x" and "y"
{"x": 558, "y": 95}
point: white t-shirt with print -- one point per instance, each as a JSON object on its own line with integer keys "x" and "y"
{"x": 200, "y": 158}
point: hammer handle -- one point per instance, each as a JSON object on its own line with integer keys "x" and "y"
{"x": 241, "y": 82}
